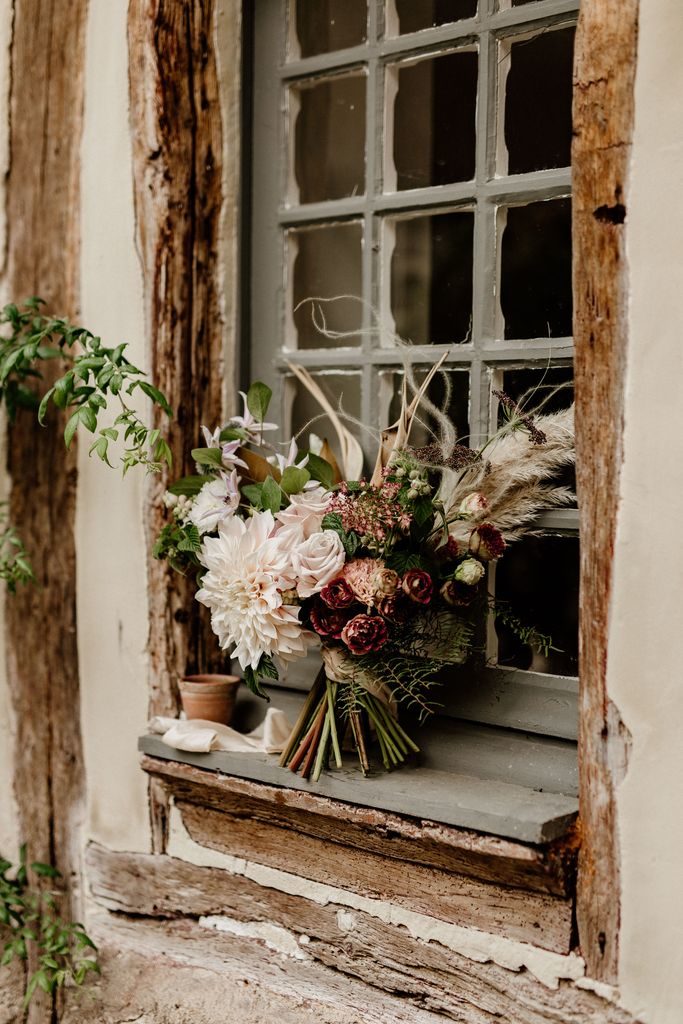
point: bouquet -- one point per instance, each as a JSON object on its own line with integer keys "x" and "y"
{"x": 386, "y": 574}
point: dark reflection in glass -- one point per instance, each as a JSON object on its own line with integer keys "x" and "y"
{"x": 434, "y": 121}
{"x": 456, "y": 405}
{"x": 536, "y": 270}
{"x": 321, "y": 26}
{"x": 329, "y": 138}
{"x": 306, "y": 416}
{"x": 326, "y": 264}
{"x": 538, "y": 579}
{"x": 538, "y": 102}
{"x": 415, "y": 15}
{"x": 542, "y": 391}
{"x": 431, "y": 278}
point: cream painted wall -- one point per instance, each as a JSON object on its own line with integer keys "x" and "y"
{"x": 112, "y": 604}
{"x": 645, "y": 664}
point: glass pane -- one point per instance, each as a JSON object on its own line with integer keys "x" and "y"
{"x": 434, "y": 121}
{"x": 328, "y": 119}
{"x": 321, "y": 26}
{"x": 431, "y": 277}
{"x": 536, "y": 270}
{"x": 450, "y": 393}
{"x": 538, "y": 578}
{"x": 538, "y": 102}
{"x": 342, "y": 390}
{"x": 414, "y": 15}
{"x": 544, "y": 390}
{"x": 325, "y": 263}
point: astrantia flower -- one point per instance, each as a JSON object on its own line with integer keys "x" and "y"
{"x": 316, "y": 561}
{"x": 360, "y": 576}
{"x": 304, "y": 515}
{"x": 248, "y": 571}
{"x": 487, "y": 542}
{"x": 470, "y": 571}
{"x": 365, "y": 633}
{"x": 216, "y": 501}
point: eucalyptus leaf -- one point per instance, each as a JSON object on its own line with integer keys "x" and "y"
{"x": 271, "y": 495}
{"x": 258, "y": 400}
{"x": 294, "y": 479}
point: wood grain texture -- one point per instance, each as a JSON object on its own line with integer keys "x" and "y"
{"x": 603, "y": 126}
{"x": 427, "y": 976}
{"x": 46, "y": 106}
{"x": 549, "y": 869}
{"x": 177, "y": 131}
{"x": 537, "y": 918}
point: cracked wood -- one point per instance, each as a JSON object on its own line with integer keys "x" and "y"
{"x": 177, "y": 131}
{"x": 603, "y": 126}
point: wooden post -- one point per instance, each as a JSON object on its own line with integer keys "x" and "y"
{"x": 46, "y": 106}
{"x": 177, "y": 131}
{"x": 603, "y": 126}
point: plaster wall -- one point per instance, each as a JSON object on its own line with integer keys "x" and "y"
{"x": 645, "y": 679}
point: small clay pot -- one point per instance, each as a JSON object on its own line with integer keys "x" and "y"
{"x": 211, "y": 697}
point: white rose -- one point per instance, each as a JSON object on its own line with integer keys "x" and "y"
{"x": 470, "y": 571}
{"x": 318, "y": 560}
{"x": 304, "y": 514}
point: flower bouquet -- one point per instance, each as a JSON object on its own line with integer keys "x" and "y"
{"x": 386, "y": 575}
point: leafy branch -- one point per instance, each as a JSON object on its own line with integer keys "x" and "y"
{"x": 64, "y": 950}
{"x": 15, "y": 567}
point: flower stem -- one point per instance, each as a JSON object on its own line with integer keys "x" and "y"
{"x": 322, "y": 746}
{"x": 331, "y": 698}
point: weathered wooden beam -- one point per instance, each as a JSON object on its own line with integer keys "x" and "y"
{"x": 46, "y": 106}
{"x": 177, "y": 132}
{"x": 538, "y": 918}
{"x": 548, "y": 869}
{"x": 430, "y": 978}
{"x": 603, "y": 127}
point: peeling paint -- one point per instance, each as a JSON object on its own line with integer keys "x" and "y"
{"x": 276, "y": 938}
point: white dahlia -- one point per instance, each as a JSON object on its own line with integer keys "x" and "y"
{"x": 248, "y": 570}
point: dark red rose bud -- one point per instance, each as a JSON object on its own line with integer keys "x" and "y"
{"x": 417, "y": 585}
{"x": 486, "y": 542}
{"x": 396, "y": 608}
{"x": 328, "y": 622}
{"x": 365, "y": 633}
{"x": 457, "y": 595}
{"x": 451, "y": 550}
{"x": 337, "y": 594}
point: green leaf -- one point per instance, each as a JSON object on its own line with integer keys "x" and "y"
{"x": 45, "y": 870}
{"x": 188, "y": 485}
{"x": 258, "y": 400}
{"x": 252, "y": 681}
{"x": 207, "y": 456}
{"x": 156, "y": 396}
{"x": 70, "y": 428}
{"x": 253, "y": 494}
{"x": 294, "y": 479}
{"x": 233, "y": 434}
{"x": 88, "y": 418}
{"x": 42, "y": 409}
{"x": 190, "y": 540}
{"x": 321, "y": 470}
{"x": 271, "y": 494}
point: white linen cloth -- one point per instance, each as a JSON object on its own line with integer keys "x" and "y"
{"x": 200, "y": 736}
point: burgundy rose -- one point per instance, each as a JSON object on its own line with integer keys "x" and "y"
{"x": 328, "y": 622}
{"x": 337, "y": 594}
{"x": 365, "y": 633}
{"x": 417, "y": 585}
{"x": 486, "y": 542}
{"x": 395, "y": 608}
{"x": 457, "y": 595}
{"x": 449, "y": 551}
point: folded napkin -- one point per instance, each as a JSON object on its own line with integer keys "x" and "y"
{"x": 200, "y": 737}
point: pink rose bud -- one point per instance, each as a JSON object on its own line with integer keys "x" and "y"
{"x": 365, "y": 633}
{"x": 486, "y": 542}
{"x": 417, "y": 585}
{"x": 474, "y": 506}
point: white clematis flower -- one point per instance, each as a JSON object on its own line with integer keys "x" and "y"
{"x": 217, "y": 500}
{"x": 248, "y": 571}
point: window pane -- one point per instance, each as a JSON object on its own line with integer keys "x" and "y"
{"x": 431, "y": 277}
{"x": 538, "y": 102}
{"x": 426, "y": 428}
{"x": 321, "y": 26}
{"x": 325, "y": 263}
{"x": 536, "y": 271}
{"x": 538, "y": 578}
{"x": 328, "y": 122}
{"x": 433, "y": 121}
{"x": 306, "y": 415}
{"x": 414, "y": 15}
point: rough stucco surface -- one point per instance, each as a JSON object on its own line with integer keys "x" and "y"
{"x": 646, "y": 639}
{"x": 110, "y": 546}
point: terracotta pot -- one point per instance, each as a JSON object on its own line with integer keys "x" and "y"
{"x": 211, "y": 697}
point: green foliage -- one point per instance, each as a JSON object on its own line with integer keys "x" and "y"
{"x": 179, "y": 543}
{"x": 294, "y": 479}
{"x": 63, "y": 949}
{"x": 188, "y": 486}
{"x": 93, "y": 376}
{"x": 271, "y": 494}
{"x": 529, "y": 635}
{"x": 15, "y": 567}
{"x": 258, "y": 400}
{"x": 212, "y": 457}
{"x": 265, "y": 669}
{"x": 320, "y": 469}
{"x": 402, "y": 561}
{"x": 350, "y": 540}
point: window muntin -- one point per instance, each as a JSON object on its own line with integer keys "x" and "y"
{"x": 467, "y": 252}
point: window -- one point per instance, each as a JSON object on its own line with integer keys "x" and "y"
{"x": 412, "y": 157}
